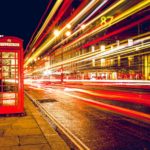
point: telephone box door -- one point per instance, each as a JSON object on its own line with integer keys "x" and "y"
{"x": 11, "y": 75}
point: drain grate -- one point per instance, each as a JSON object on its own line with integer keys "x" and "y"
{"x": 47, "y": 100}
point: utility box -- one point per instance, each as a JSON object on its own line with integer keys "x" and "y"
{"x": 11, "y": 75}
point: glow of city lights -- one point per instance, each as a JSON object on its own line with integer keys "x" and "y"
{"x": 47, "y": 72}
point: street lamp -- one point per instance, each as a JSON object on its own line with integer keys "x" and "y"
{"x": 68, "y": 33}
{"x": 56, "y": 32}
{"x": 83, "y": 26}
{"x": 68, "y": 26}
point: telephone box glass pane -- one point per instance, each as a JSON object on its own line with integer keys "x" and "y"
{"x": 9, "y": 55}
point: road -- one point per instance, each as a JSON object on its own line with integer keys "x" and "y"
{"x": 83, "y": 111}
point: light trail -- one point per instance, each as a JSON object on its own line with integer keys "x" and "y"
{"x": 61, "y": 12}
{"x": 47, "y": 43}
{"x": 85, "y": 66}
{"x": 101, "y": 54}
{"x": 90, "y": 15}
{"x": 52, "y": 12}
{"x": 123, "y": 49}
{"x": 116, "y": 32}
{"x": 93, "y": 20}
{"x": 120, "y": 110}
{"x": 84, "y": 11}
{"x": 141, "y": 84}
{"x": 126, "y": 14}
{"x": 119, "y": 51}
{"x": 50, "y": 40}
{"x": 97, "y": 55}
{"x": 65, "y": 24}
{"x": 116, "y": 95}
{"x": 40, "y": 22}
{"x": 117, "y": 19}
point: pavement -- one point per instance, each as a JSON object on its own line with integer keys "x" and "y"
{"x": 29, "y": 132}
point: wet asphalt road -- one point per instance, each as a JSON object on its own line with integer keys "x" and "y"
{"x": 96, "y": 127}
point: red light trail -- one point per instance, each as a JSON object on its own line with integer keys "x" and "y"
{"x": 120, "y": 110}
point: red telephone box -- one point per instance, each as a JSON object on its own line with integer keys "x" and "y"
{"x": 11, "y": 75}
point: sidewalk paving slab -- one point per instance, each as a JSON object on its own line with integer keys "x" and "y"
{"x": 29, "y": 132}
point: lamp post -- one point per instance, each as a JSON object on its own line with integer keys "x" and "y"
{"x": 57, "y": 33}
{"x": 68, "y": 33}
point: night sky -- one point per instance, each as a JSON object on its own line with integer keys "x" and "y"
{"x": 20, "y": 17}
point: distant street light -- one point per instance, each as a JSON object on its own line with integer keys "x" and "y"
{"x": 68, "y": 33}
{"x": 56, "y": 32}
{"x": 68, "y": 26}
{"x": 102, "y": 47}
{"x": 83, "y": 26}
